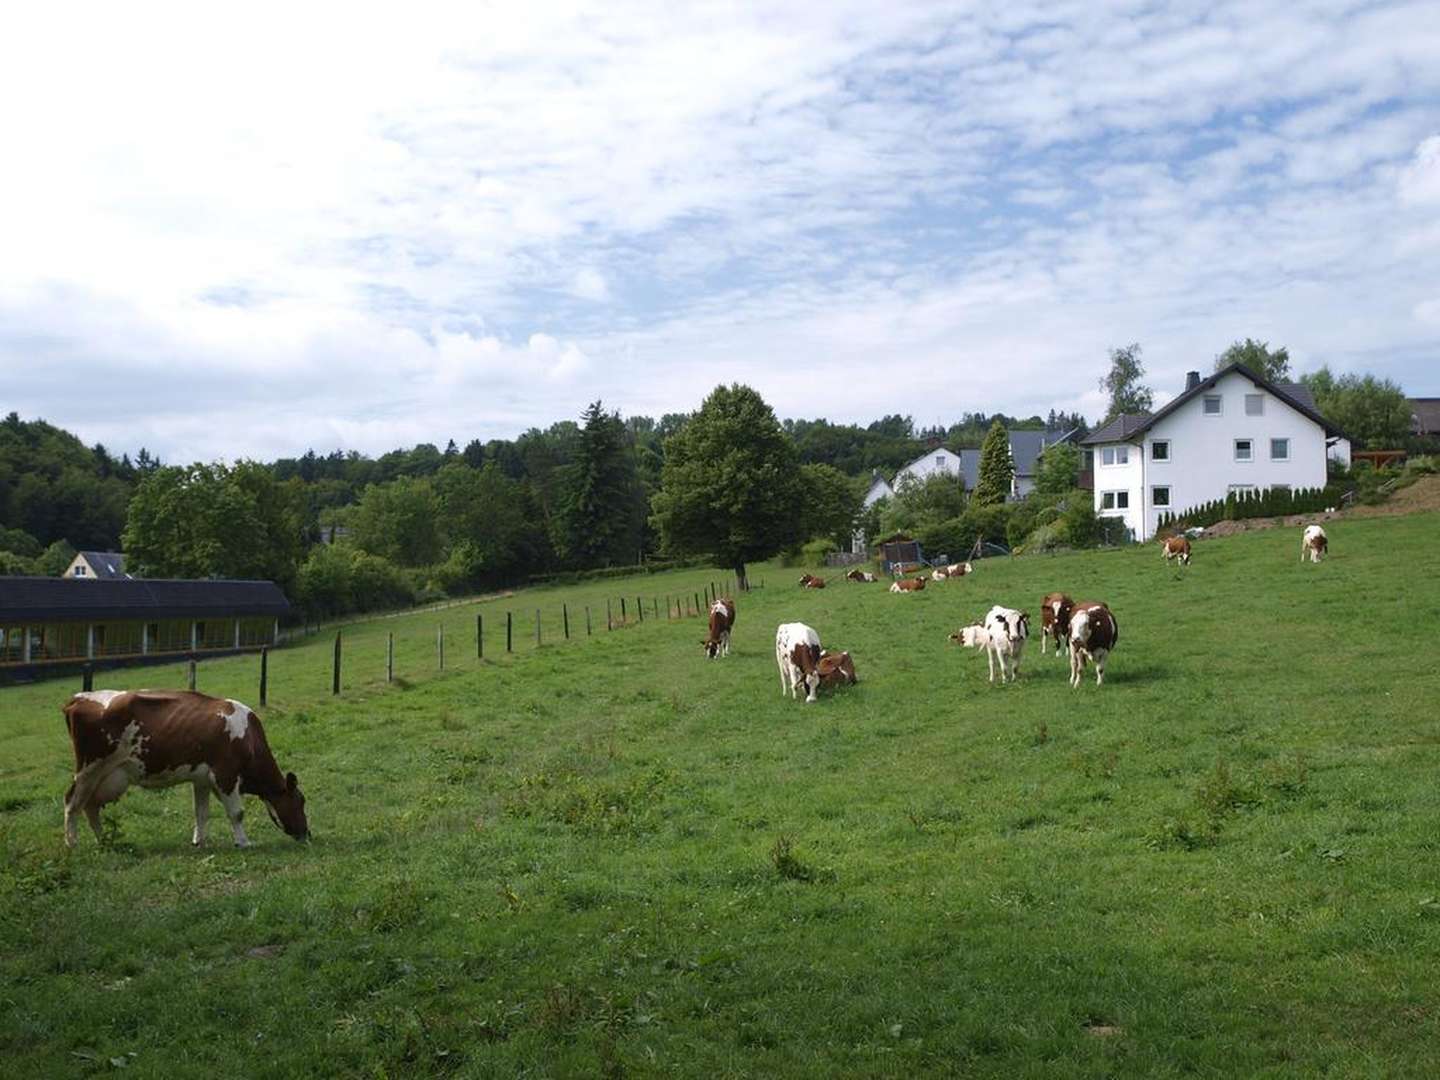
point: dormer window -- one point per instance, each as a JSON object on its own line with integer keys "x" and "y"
{"x": 79, "y": 569}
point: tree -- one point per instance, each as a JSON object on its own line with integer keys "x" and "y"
{"x": 832, "y": 502}
{"x": 1058, "y": 470}
{"x": 1256, "y": 356}
{"x": 730, "y": 486}
{"x": 920, "y": 503}
{"x": 1122, "y": 383}
{"x": 399, "y": 521}
{"x": 598, "y": 524}
{"x": 1373, "y": 412}
{"x": 997, "y": 467}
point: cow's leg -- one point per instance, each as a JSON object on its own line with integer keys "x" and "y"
{"x": 202, "y": 812}
{"x": 79, "y": 796}
{"x": 234, "y": 804}
{"x": 990, "y": 661}
{"x": 1100, "y": 668}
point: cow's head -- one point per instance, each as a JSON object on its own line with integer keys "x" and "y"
{"x": 287, "y": 809}
{"x": 971, "y": 637}
{"x": 712, "y": 647}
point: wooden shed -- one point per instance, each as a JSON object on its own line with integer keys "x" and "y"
{"x": 898, "y": 550}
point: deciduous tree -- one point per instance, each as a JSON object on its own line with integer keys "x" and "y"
{"x": 1256, "y": 356}
{"x": 1122, "y": 383}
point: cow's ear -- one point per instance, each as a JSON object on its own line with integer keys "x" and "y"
{"x": 290, "y": 782}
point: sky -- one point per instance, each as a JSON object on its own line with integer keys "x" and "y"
{"x": 252, "y": 231}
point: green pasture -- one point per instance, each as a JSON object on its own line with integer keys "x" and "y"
{"x": 612, "y": 857}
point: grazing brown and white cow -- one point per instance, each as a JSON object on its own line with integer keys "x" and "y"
{"x": 1176, "y": 547}
{"x": 797, "y": 653}
{"x": 722, "y": 618}
{"x": 1314, "y": 543}
{"x": 959, "y": 569}
{"x": 996, "y": 646}
{"x": 1093, "y": 633}
{"x": 158, "y": 738}
{"x": 810, "y": 581}
{"x": 836, "y": 669}
{"x": 914, "y": 584}
{"x": 1055, "y": 610}
{"x": 860, "y": 575}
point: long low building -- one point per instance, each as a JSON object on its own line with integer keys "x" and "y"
{"x": 45, "y": 620}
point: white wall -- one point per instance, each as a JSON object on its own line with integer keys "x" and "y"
{"x": 1202, "y": 464}
{"x": 935, "y": 461}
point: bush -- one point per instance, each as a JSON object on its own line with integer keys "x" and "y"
{"x": 1272, "y": 502}
{"x": 336, "y": 579}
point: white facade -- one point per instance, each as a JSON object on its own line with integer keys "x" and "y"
{"x": 935, "y": 461}
{"x": 1232, "y": 436}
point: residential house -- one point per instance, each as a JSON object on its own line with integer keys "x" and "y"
{"x": 1232, "y": 432}
{"x": 1424, "y": 415}
{"x": 97, "y": 566}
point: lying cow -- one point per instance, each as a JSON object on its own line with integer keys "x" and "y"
{"x": 996, "y": 647}
{"x": 722, "y": 618}
{"x": 1093, "y": 633}
{"x": 1314, "y": 543}
{"x": 1178, "y": 548}
{"x": 959, "y": 569}
{"x": 810, "y": 581}
{"x": 914, "y": 584}
{"x": 158, "y": 738}
{"x": 860, "y": 575}
{"x": 797, "y": 653}
{"x": 1013, "y": 624}
{"x": 836, "y": 669}
{"x": 1055, "y": 610}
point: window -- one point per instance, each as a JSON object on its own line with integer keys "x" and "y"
{"x": 1244, "y": 450}
{"x": 1160, "y": 450}
{"x": 1279, "y": 449}
{"x": 1115, "y": 500}
{"x": 1254, "y": 404}
{"x": 79, "y": 569}
{"x": 939, "y": 461}
{"x": 1115, "y": 455}
{"x": 1213, "y": 404}
{"x": 1160, "y": 496}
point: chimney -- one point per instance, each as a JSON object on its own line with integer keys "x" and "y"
{"x": 1192, "y": 380}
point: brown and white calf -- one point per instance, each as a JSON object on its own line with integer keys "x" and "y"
{"x": 836, "y": 669}
{"x": 914, "y": 584}
{"x": 959, "y": 569}
{"x": 722, "y": 618}
{"x": 1314, "y": 543}
{"x": 158, "y": 738}
{"x": 1055, "y": 610}
{"x": 996, "y": 647}
{"x": 1093, "y": 634}
{"x": 1176, "y": 547}
{"x": 860, "y": 575}
{"x": 810, "y": 581}
{"x": 1013, "y": 624}
{"x": 797, "y": 653}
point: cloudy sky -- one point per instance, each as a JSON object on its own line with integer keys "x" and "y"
{"x": 293, "y": 226}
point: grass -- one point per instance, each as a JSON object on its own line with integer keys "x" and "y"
{"x": 616, "y": 858}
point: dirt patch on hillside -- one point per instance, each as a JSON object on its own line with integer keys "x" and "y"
{"x": 1421, "y": 496}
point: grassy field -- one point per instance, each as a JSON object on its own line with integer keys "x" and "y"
{"x": 613, "y": 857}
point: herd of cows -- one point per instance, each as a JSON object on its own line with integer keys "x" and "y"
{"x": 159, "y": 738}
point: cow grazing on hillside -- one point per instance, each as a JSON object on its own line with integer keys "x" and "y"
{"x": 1314, "y": 543}
{"x": 959, "y": 569}
{"x": 810, "y": 581}
{"x": 1015, "y": 625}
{"x": 158, "y": 738}
{"x": 860, "y": 575}
{"x": 797, "y": 653}
{"x": 1055, "y": 610}
{"x": 996, "y": 647}
{"x": 836, "y": 669}
{"x": 1176, "y": 547}
{"x": 722, "y": 618}
{"x": 914, "y": 584}
{"x": 1093, "y": 634}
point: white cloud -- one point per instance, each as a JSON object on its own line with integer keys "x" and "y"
{"x": 1420, "y": 180}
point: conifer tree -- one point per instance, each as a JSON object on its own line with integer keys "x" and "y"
{"x": 997, "y": 467}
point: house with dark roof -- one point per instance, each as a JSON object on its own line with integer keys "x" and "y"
{"x": 1232, "y": 432}
{"x": 45, "y": 620}
{"x": 97, "y": 566}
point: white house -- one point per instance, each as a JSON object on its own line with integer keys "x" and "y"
{"x": 934, "y": 461}
{"x": 1232, "y": 432}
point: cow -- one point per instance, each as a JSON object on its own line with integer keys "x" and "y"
{"x": 959, "y": 569}
{"x": 1093, "y": 634}
{"x": 1177, "y": 548}
{"x": 809, "y": 581}
{"x": 1314, "y": 543}
{"x": 1015, "y": 625}
{"x": 996, "y": 646}
{"x": 797, "y": 653}
{"x": 722, "y": 618}
{"x": 1055, "y": 610}
{"x": 914, "y": 584}
{"x": 836, "y": 669}
{"x": 860, "y": 575}
{"x": 158, "y": 738}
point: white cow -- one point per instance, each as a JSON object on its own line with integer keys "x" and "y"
{"x": 996, "y": 646}
{"x": 797, "y": 653}
{"x": 1015, "y": 627}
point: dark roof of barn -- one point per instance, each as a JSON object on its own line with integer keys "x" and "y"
{"x": 1296, "y": 395}
{"x": 107, "y": 565}
{"x": 36, "y": 598}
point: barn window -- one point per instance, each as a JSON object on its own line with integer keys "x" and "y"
{"x": 1254, "y": 404}
{"x": 1160, "y": 450}
{"x": 1244, "y": 450}
{"x": 1160, "y": 496}
{"x": 1279, "y": 449}
{"x": 1213, "y": 404}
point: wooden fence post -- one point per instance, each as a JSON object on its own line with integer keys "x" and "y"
{"x": 565, "y": 616}
{"x": 655, "y": 606}
{"x": 190, "y": 674}
{"x": 537, "y": 627}
{"x": 440, "y": 645}
{"x": 587, "y": 620}
{"x": 335, "y": 678}
{"x": 698, "y": 608}
{"x": 479, "y": 637}
{"x": 609, "y": 622}
{"x": 640, "y": 608}
{"x": 264, "y": 673}
{"x": 507, "y": 631}
{"x": 623, "y": 617}
{"x": 390, "y": 657}
{"x": 87, "y": 678}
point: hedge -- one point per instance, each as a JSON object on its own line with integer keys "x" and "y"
{"x": 1237, "y": 506}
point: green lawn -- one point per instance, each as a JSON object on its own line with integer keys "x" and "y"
{"x": 613, "y": 857}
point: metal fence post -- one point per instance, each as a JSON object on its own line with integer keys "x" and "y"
{"x": 440, "y": 644}
{"x": 587, "y": 620}
{"x": 264, "y": 672}
{"x": 479, "y": 637}
{"x": 537, "y": 627}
